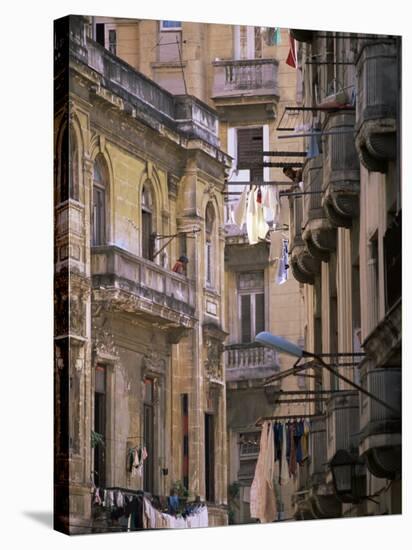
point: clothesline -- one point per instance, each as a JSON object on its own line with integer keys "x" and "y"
{"x": 140, "y": 510}
{"x": 283, "y": 448}
{"x": 262, "y": 419}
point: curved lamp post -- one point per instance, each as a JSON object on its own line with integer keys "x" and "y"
{"x": 281, "y": 344}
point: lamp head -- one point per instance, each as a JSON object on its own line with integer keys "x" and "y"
{"x": 279, "y": 343}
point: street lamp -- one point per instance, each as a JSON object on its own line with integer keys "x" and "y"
{"x": 349, "y": 476}
{"x": 283, "y": 345}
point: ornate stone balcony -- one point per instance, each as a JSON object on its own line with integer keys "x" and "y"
{"x": 250, "y": 85}
{"x": 380, "y": 429}
{"x": 247, "y": 361}
{"x": 340, "y": 170}
{"x": 131, "y": 284}
{"x": 377, "y": 109}
{"x": 304, "y": 266}
{"x": 245, "y": 77}
{"x": 318, "y": 232}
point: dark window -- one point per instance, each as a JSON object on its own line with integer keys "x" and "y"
{"x": 245, "y": 318}
{"x": 64, "y": 166}
{"x": 210, "y": 218}
{"x": 98, "y": 216}
{"x": 73, "y": 169}
{"x": 148, "y": 436}
{"x": 147, "y": 224}
{"x": 185, "y": 430}
{"x": 69, "y": 167}
{"x": 100, "y": 33}
{"x": 99, "y": 203}
{"x": 63, "y": 399}
{"x": 100, "y": 425}
{"x": 259, "y": 313}
{"x": 252, "y": 305}
{"x": 392, "y": 245}
{"x": 112, "y": 41}
{"x": 249, "y": 151}
{"x": 209, "y": 458}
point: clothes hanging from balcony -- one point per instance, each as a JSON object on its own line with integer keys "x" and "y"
{"x": 262, "y": 226}
{"x": 251, "y": 218}
{"x": 262, "y": 496}
{"x": 271, "y": 204}
{"x": 136, "y": 458}
{"x": 290, "y": 448}
{"x": 291, "y": 59}
{"x": 239, "y": 212}
{"x": 139, "y": 511}
{"x": 283, "y": 266}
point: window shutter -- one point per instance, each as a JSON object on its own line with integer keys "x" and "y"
{"x": 249, "y": 151}
{"x": 259, "y": 313}
{"x": 146, "y": 231}
{"x": 245, "y": 318}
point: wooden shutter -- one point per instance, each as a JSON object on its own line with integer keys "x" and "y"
{"x": 146, "y": 231}
{"x": 249, "y": 151}
{"x": 259, "y": 313}
{"x": 245, "y": 318}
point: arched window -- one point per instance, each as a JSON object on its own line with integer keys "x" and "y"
{"x": 73, "y": 168}
{"x": 209, "y": 252}
{"x": 99, "y": 213}
{"x": 69, "y": 167}
{"x": 147, "y": 223}
{"x": 64, "y": 166}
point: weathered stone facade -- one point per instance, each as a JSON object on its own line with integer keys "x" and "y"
{"x": 119, "y": 136}
{"x": 353, "y": 286}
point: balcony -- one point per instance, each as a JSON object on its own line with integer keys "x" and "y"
{"x": 245, "y": 82}
{"x": 323, "y": 501}
{"x": 118, "y": 86}
{"x": 249, "y": 361}
{"x": 131, "y": 284}
{"x": 342, "y": 422}
{"x": 377, "y": 110}
{"x": 340, "y": 170}
{"x": 380, "y": 429}
{"x": 318, "y": 232}
{"x": 304, "y": 266}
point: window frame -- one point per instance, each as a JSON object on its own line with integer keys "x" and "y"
{"x": 101, "y": 187}
{"x": 168, "y": 29}
{"x": 147, "y": 209}
{"x": 252, "y": 293}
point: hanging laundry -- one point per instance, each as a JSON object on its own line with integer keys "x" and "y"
{"x": 277, "y": 38}
{"x": 270, "y": 204}
{"x": 262, "y": 226}
{"x": 251, "y": 218}
{"x": 292, "y": 449}
{"x": 313, "y": 149}
{"x": 96, "y": 498}
{"x": 239, "y": 212}
{"x": 262, "y": 496}
{"x": 269, "y": 465}
{"x": 298, "y": 441}
{"x": 282, "y": 273}
{"x": 284, "y": 473}
{"x": 291, "y": 59}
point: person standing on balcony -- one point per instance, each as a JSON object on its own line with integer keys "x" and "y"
{"x": 180, "y": 265}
